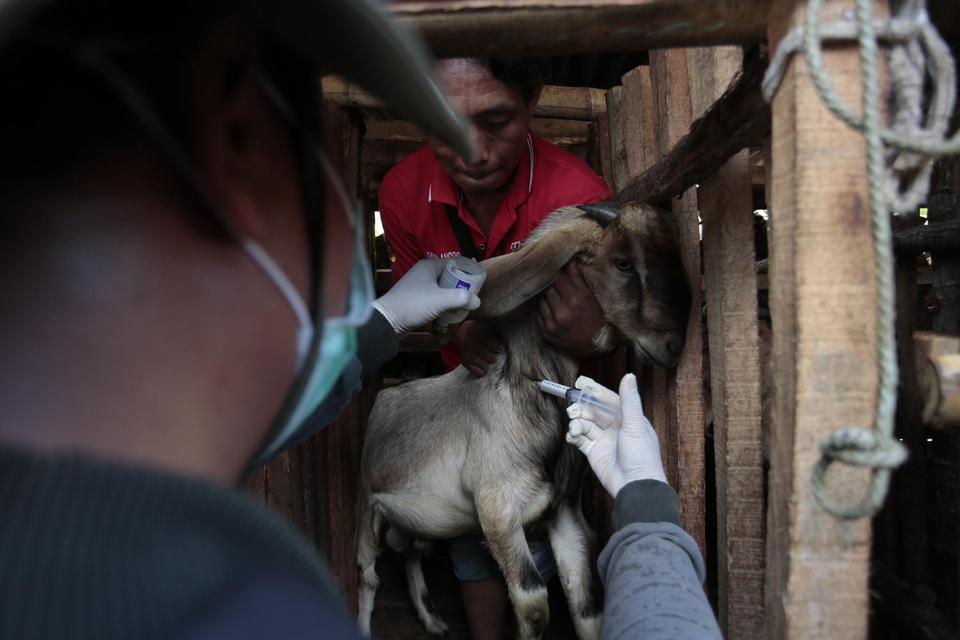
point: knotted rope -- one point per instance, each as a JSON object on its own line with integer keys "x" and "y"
{"x": 899, "y": 174}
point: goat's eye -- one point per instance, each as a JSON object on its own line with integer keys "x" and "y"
{"x": 624, "y": 265}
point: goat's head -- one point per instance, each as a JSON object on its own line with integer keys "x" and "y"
{"x": 630, "y": 258}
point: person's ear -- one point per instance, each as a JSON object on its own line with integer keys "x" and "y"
{"x": 241, "y": 146}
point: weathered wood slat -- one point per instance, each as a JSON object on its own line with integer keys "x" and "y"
{"x": 905, "y": 547}
{"x": 938, "y": 377}
{"x": 392, "y": 131}
{"x": 684, "y": 430}
{"x": 822, "y": 300}
{"x": 633, "y": 148}
{"x": 342, "y": 440}
{"x": 560, "y": 132}
{"x": 939, "y": 236}
{"x": 726, "y": 206}
{"x": 593, "y": 156}
{"x": 516, "y": 27}
{"x": 386, "y": 153}
{"x": 563, "y": 133}
{"x": 619, "y": 170}
{"x": 639, "y": 130}
{"x": 942, "y": 208}
{"x": 604, "y": 148}
{"x": 738, "y": 119}
{"x": 570, "y": 103}
{"x": 284, "y": 493}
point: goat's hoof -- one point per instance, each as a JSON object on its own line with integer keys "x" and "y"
{"x": 435, "y": 627}
{"x": 588, "y": 627}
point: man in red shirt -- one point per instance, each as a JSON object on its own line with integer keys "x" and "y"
{"x": 435, "y": 203}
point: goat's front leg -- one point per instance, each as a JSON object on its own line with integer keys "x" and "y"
{"x": 570, "y": 539}
{"x": 503, "y": 529}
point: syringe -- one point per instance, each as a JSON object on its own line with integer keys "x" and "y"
{"x": 578, "y": 395}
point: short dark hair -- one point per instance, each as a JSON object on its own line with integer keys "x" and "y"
{"x": 526, "y": 75}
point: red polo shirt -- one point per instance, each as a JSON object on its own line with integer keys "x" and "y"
{"x": 414, "y": 193}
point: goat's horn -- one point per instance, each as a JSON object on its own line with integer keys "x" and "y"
{"x": 603, "y": 213}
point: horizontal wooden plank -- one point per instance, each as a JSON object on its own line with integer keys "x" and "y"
{"x": 938, "y": 377}
{"x": 563, "y": 133}
{"x": 523, "y": 27}
{"x": 393, "y": 131}
{"x": 386, "y": 152}
{"x": 572, "y": 103}
{"x": 937, "y": 236}
{"x": 740, "y": 118}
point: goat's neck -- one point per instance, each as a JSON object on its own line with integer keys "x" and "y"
{"x": 529, "y": 356}
{"x": 531, "y": 359}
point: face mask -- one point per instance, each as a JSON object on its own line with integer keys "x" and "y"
{"x": 321, "y": 355}
{"x": 339, "y": 344}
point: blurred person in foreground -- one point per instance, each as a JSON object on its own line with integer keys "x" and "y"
{"x": 184, "y": 290}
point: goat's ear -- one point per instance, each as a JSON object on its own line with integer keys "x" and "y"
{"x": 516, "y": 277}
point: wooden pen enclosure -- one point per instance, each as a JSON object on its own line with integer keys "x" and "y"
{"x": 780, "y": 344}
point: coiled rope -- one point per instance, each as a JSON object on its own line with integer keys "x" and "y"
{"x": 899, "y": 165}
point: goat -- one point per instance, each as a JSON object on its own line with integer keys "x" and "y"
{"x": 446, "y": 455}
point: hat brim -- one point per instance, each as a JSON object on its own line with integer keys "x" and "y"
{"x": 356, "y": 38}
{"x": 359, "y": 40}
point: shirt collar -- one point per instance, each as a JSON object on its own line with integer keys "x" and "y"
{"x": 442, "y": 189}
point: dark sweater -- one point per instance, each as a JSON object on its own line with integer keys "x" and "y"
{"x": 91, "y": 549}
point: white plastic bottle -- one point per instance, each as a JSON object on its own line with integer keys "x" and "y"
{"x": 459, "y": 273}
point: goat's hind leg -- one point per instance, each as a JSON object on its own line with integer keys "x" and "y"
{"x": 426, "y": 610}
{"x": 570, "y": 539}
{"x": 370, "y": 523}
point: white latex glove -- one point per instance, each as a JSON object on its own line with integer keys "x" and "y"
{"x": 416, "y": 298}
{"x": 587, "y": 412}
{"x": 618, "y": 453}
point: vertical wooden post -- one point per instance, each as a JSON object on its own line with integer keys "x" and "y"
{"x": 909, "y": 512}
{"x": 822, "y": 299}
{"x": 683, "y": 432}
{"x": 284, "y": 488}
{"x": 641, "y": 148}
{"x": 342, "y": 440}
{"x": 598, "y": 148}
{"x": 637, "y": 116}
{"x": 602, "y": 128}
{"x": 730, "y": 285}
{"x": 618, "y": 154}
{"x": 942, "y": 206}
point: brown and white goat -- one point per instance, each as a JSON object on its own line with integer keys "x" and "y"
{"x": 450, "y": 454}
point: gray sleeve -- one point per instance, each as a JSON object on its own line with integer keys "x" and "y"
{"x": 377, "y": 342}
{"x": 652, "y": 571}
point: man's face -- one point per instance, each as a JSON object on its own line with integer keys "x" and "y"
{"x": 499, "y": 119}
